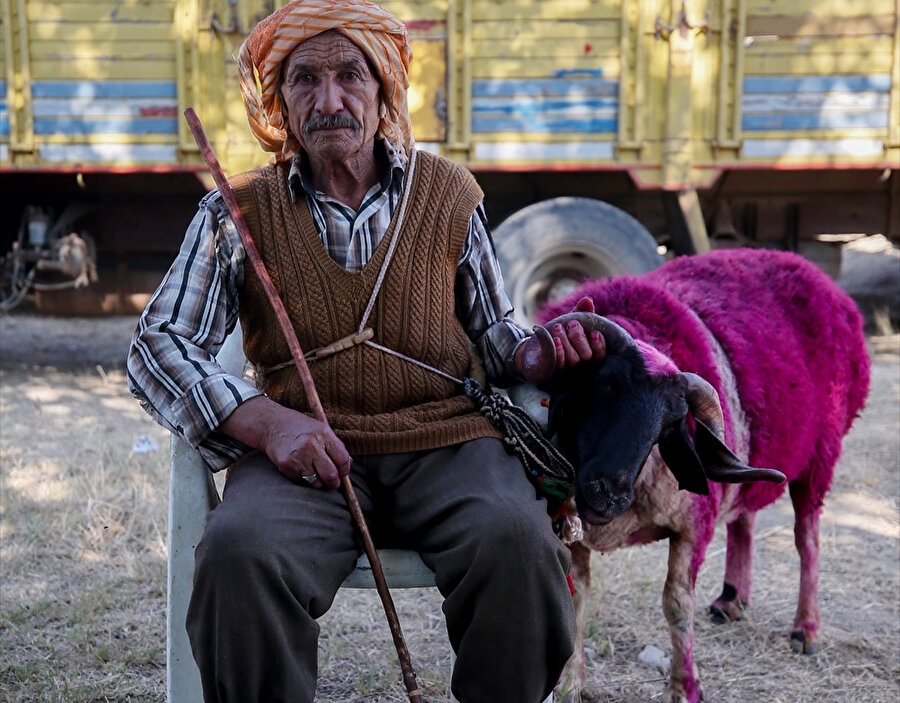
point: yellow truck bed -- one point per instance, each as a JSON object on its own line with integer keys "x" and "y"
{"x": 671, "y": 95}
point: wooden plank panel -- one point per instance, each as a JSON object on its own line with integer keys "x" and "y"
{"x": 816, "y": 102}
{"x": 56, "y": 89}
{"x": 93, "y": 107}
{"x": 841, "y": 104}
{"x": 546, "y": 9}
{"x": 411, "y": 11}
{"x": 820, "y": 7}
{"x": 817, "y": 84}
{"x": 88, "y": 69}
{"x": 101, "y": 31}
{"x": 109, "y": 139}
{"x": 551, "y": 87}
{"x": 810, "y": 46}
{"x": 527, "y": 105}
{"x": 101, "y": 11}
{"x": 546, "y": 68}
{"x": 543, "y": 123}
{"x": 821, "y": 134}
{"x": 123, "y": 3}
{"x": 819, "y": 25}
{"x": 108, "y": 153}
{"x": 563, "y": 50}
{"x": 536, "y": 148}
{"x": 546, "y": 29}
{"x": 819, "y": 64}
{"x": 110, "y": 125}
{"x": 101, "y": 51}
{"x": 807, "y": 148}
{"x": 426, "y": 31}
{"x": 803, "y": 121}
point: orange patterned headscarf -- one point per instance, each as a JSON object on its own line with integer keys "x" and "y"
{"x": 378, "y": 34}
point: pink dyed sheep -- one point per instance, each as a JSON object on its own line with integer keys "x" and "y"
{"x": 783, "y": 349}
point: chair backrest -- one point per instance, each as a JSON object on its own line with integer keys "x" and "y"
{"x": 403, "y": 568}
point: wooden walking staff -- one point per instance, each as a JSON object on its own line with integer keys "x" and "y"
{"x": 212, "y": 162}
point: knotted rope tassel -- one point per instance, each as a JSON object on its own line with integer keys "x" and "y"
{"x": 551, "y": 473}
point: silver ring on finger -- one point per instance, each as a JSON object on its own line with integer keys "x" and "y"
{"x": 312, "y": 478}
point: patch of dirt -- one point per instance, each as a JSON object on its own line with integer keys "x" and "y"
{"x": 39, "y": 341}
{"x": 82, "y": 558}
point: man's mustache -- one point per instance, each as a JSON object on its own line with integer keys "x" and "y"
{"x": 330, "y": 122}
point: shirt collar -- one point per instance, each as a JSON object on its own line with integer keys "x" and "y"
{"x": 393, "y": 159}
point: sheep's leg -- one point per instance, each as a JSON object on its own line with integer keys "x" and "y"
{"x": 808, "y": 620}
{"x": 678, "y": 606}
{"x": 573, "y": 676}
{"x": 738, "y": 571}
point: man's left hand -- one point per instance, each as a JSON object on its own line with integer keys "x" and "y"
{"x": 571, "y": 345}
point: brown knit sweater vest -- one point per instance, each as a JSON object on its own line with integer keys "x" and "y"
{"x": 374, "y": 401}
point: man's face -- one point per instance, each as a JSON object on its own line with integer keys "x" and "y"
{"x": 332, "y": 97}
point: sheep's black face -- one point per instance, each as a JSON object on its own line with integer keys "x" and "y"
{"x": 608, "y": 416}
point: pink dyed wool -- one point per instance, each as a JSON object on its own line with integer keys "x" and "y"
{"x": 783, "y": 347}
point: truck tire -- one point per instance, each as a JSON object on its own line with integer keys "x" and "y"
{"x": 547, "y": 249}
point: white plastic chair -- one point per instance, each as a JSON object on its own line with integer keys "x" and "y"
{"x": 192, "y": 494}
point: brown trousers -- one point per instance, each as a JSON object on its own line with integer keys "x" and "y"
{"x": 274, "y": 554}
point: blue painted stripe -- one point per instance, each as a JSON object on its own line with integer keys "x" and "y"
{"x": 140, "y": 125}
{"x": 103, "y": 89}
{"x": 813, "y": 120}
{"x": 536, "y": 107}
{"x": 815, "y": 84}
{"x": 816, "y": 102}
{"x": 111, "y": 153}
{"x": 544, "y": 88}
{"x": 541, "y": 124}
{"x": 4, "y": 112}
{"x": 96, "y": 108}
{"x": 567, "y": 72}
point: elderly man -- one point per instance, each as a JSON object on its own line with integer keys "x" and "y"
{"x": 358, "y": 230}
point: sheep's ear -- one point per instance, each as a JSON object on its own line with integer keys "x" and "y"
{"x": 722, "y": 465}
{"x": 683, "y": 461}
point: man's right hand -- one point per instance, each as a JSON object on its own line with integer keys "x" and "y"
{"x": 300, "y": 446}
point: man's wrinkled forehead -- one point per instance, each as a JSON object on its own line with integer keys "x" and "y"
{"x": 330, "y": 50}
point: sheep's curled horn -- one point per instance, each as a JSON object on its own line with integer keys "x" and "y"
{"x": 539, "y": 362}
{"x": 703, "y": 402}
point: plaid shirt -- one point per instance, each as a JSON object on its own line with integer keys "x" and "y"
{"x": 171, "y": 363}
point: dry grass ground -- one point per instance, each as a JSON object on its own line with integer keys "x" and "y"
{"x": 82, "y": 559}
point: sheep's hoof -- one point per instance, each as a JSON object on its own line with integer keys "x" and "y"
{"x": 728, "y": 606}
{"x": 801, "y": 643}
{"x": 567, "y": 692}
{"x": 722, "y": 612}
{"x": 671, "y": 695}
